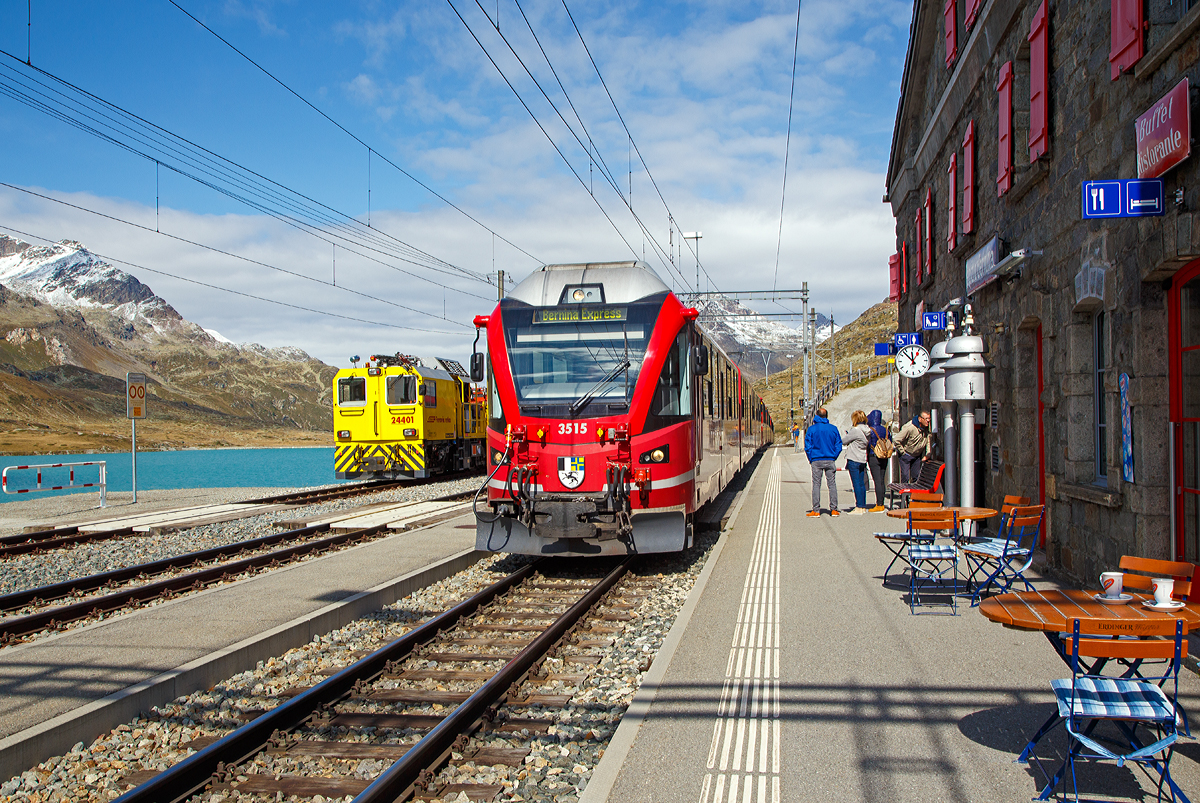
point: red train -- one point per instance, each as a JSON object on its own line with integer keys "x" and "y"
{"x": 613, "y": 416}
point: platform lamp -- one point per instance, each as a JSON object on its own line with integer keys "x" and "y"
{"x": 966, "y": 383}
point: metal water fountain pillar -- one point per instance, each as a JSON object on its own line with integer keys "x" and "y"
{"x": 966, "y": 383}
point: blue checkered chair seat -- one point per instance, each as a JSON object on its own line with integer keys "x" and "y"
{"x": 1113, "y": 698}
{"x": 994, "y": 547}
{"x": 930, "y": 552}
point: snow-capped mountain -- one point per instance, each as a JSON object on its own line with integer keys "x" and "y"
{"x": 739, "y": 329}
{"x": 67, "y": 276}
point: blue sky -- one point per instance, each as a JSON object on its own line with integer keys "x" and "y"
{"x": 703, "y": 87}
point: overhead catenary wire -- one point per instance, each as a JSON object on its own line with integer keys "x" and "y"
{"x": 629, "y": 133}
{"x": 135, "y": 135}
{"x": 135, "y": 266}
{"x": 354, "y": 136}
{"x": 590, "y": 148}
{"x": 230, "y": 254}
{"x": 787, "y": 145}
{"x": 542, "y": 128}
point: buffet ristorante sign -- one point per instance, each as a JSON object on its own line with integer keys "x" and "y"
{"x": 1164, "y": 133}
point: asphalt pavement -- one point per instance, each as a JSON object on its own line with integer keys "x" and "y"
{"x": 799, "y": 676}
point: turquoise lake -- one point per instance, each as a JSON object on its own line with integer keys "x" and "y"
{"x": 192, "y": 468}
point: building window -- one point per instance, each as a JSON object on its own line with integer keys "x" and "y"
{"x": 968, "y": 199}
{"x": 1039, "y": 84}
{"x": 1004, "y": 172}
{"x": 970, "y": 13}
{"x": 1100, "y": 356}
{"x": 952, "y": 204}
{"x": 951, "y": 15}
{"x": 917, "y": 242}
{"x": 1127, "y": 41}
{"x": 929, "y": 231}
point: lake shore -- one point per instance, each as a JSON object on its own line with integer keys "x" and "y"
{"x": 34, "y": 439}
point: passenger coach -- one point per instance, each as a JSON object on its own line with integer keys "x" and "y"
{"x": 614, "y": 416}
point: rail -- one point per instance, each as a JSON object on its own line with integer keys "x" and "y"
{"x": 71, "y": 484}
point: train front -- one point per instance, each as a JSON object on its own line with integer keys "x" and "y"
{"x": 592, "y": 440}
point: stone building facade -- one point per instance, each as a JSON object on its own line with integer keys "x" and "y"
{"x": 1007, "y": 108}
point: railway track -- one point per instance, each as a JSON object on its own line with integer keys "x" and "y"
{"x": 291, "y": 544}
{"x": 465, "y": 687}
{"x": 66, "y": 536}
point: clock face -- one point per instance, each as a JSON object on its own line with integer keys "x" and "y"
{"x": 912, "y": 361}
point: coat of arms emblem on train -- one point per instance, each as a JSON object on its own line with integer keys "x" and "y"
{"x": 570, "y": 471}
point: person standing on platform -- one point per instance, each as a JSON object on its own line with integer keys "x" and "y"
{"x": 855, "y": 441}
{"x": 796, "y": 435}
{"x": 913, "y": 443}
{"x": 879, "y": 449}
{"x": 822, "y": 445}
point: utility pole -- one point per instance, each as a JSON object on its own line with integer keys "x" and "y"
{"x": 810, "y": 376}
{"x": 792, "y": 383}
{"x": 697, "y": 236}
{"x": 832, "y": 354}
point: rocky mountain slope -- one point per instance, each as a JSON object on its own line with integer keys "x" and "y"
{"x": 852, "y": 346}
{"x": 736, "y": 328}
{"x": 71, "y": 326}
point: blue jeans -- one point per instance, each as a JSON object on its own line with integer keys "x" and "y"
{"x": 858, "y": 478}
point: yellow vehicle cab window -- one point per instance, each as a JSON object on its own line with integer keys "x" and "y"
{"x": 429, "y": 391}
{"x": 401, "y": 390}
{"x": 352, "y": 390}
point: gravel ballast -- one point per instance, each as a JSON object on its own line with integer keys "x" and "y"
{"x": 560, "y": 762}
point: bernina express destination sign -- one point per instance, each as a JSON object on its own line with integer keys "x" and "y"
{"x": 1164, "y": 133}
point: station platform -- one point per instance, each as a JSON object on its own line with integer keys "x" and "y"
{"x": 78, "y": 684}
{"x": 793, "y": 674}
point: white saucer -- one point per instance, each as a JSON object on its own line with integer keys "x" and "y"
{"x": 1121, "y": 600}
{"x": 1173, "y": 605}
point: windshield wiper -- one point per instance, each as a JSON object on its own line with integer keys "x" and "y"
{"x": 583, "y": 400}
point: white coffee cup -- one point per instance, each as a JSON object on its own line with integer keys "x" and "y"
{"x": 1112, "y": 583}
{"x": 1163, "y": 586}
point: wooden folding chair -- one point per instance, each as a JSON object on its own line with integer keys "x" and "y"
{"x": 1085, "y": 700}
{"x": 1181, "y": 573}
{"x": 897, "y": 543}
{"x": 929, "y": 562}
{"x": 1002, "y": 561}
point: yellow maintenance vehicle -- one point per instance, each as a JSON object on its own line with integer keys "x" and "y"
{"x": 396, "y": 418}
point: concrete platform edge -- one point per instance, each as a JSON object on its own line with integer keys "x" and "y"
{"x": 604, "y": 777}
{"x": 24, "y": 750}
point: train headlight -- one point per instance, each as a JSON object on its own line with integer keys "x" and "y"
{"x": 579, "y": 295}
{"x": 497, "y": 457}
{"x": 344, "y": 434}
{"x": 410, "y": 433}
{"x": 659, "y": 455}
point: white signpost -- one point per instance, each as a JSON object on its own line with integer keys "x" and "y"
{"x": 135, "y": 408}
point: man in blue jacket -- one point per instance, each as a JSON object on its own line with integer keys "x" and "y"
{"x": 822, "y": 445}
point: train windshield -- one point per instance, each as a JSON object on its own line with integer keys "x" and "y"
{"x": 576, "y": 355}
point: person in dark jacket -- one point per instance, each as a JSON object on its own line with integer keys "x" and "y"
{"x": 822, "y": 445}
{"x": 878, "y": 432}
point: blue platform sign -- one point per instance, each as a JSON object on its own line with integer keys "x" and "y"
{"x": 902, "y": 339}
{"x": 933, "y": 320}
{"x": 1126, "y": 197}
{"x": 884, "y": 349}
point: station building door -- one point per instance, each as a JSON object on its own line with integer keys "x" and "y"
{"x": 1184, "y": 374}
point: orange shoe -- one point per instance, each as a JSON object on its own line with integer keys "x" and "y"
{"x": 814, "y": 514}
{"x": 834, "y": 513}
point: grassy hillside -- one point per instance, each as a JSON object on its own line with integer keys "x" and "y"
{"x": 853, "y": 346}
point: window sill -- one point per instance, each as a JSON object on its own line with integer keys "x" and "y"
{"x": 1091, "y": 493}
{"x": 1027, "y": 176}
{"x": 1182, "y": 33}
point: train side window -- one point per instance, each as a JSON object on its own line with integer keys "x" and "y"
{"x": 352, "y": 391}
{"x": 401, "y": 389}
{"x": 673, "y": 396}
{"x": 429, "y": 391}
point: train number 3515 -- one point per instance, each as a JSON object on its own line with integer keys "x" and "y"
{"x": 573, "y": 428}
{"x": 402, "y": 419}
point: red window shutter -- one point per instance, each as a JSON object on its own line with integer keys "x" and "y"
{"x": 920, "y": 257}
{"x": 1004, "y": 173}
{"x": 1127, "y": 25}
{"x": 951, "y": 31}
{"x": 968, "y": 199}
{"x": 1039, "y": 84}
{"x": 970, "y": 13}
{"x": 929, "y": 231}
{"x": 952, "y": 204}
{"x": 903, "y": 268}
{"x": 894, "y": 277}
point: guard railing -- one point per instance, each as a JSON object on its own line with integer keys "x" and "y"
{"x": 101, "y": 484}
